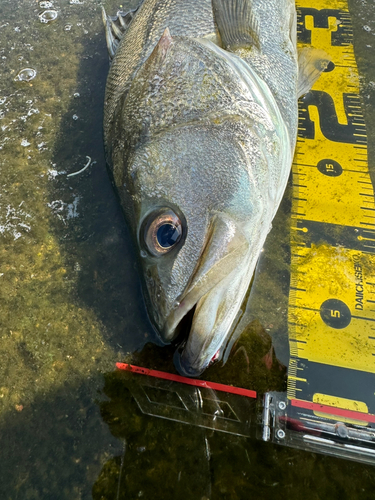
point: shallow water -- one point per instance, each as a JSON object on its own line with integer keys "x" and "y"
{"x": 71, "y": 304}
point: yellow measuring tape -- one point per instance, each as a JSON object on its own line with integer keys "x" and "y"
{"x": 332, "y": 294}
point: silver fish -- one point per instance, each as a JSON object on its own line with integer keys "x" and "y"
{"x": 200, "y": 126}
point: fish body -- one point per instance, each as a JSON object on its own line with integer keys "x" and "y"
{"x": 200, "y": 126}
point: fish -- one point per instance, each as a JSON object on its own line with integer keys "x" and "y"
{"x": 200, "y": 127}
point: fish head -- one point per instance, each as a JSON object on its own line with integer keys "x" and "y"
{"x": 195, "y": 166}
{"x": 197, "y": 218}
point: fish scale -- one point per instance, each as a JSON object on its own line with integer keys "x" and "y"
{"x": 181, "y": 16}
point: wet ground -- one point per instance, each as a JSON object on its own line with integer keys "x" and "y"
{"x": 71, "y": 304}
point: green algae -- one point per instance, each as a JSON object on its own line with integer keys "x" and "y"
{"x": 54, "y": 343}
{"x": 44, "y": 332}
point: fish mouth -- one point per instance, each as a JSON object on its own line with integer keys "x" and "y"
{"x": 214, "y": 295}
{"x": 180, "y": 319}
{"x": 180, "y": 324}
{"x": 205, "y": 320}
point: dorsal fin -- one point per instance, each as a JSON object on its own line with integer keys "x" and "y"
{"x": 162, "y": 47}
{"x": 236, "y": 23}
{"x": 115, "y": 27}
{"x": 311, "y": 63}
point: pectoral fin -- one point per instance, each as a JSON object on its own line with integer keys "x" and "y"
{"x": 115, "y": 27}
{"x": 311, "y": 63}
{"x": 236, "y": 23}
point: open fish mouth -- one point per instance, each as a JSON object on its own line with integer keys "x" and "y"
{"x": 179, "y": 315}
{"x": 193, "y": 355}
{"x": 213, "y": 314}
{"x": 213, "y": 296}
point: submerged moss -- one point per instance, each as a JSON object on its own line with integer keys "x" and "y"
{"x": 54, "y": 345}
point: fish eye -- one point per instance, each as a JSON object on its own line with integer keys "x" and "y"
{"x": 162, "y": 231}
